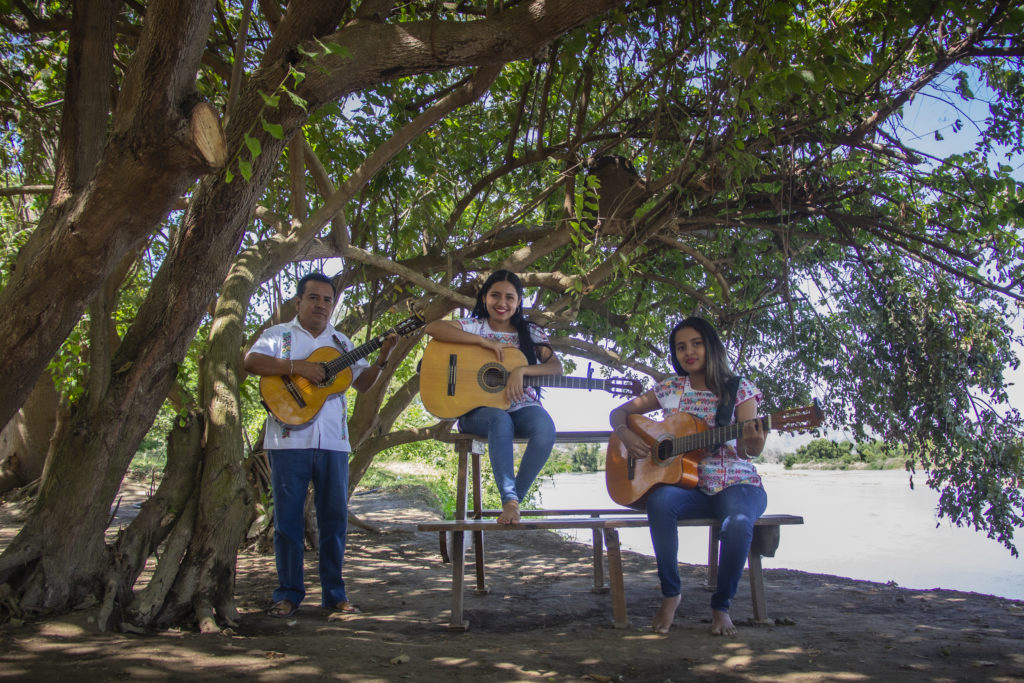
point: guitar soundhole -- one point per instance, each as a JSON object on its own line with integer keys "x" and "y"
{"x": 492, "y": 378}
{"x": 664, "y": 451}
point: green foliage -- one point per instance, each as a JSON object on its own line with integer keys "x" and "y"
{"x": 152, "y": 453}
{"x": 587, "y": 457}
{"x": 783, "y": 199}
{"x": 828, "y": 454}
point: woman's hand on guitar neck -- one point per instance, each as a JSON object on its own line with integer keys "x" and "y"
{"x": 514, "y": 384}
{"x": 751, "y": 443}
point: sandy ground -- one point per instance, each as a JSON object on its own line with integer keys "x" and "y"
{"x": 539, "y": 622}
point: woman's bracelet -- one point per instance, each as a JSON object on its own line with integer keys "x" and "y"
{"x": 291, "y": 367}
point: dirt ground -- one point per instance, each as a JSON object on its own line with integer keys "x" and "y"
{"x": 539, "y": 622}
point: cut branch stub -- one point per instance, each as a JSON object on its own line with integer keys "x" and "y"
{"x": 208, "y": 135}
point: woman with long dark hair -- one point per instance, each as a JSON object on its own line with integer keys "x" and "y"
{"x": 496, "y": 323}
{"x": 728, "y": 486}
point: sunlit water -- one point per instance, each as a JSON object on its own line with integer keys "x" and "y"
{"x": 861, "y": 524}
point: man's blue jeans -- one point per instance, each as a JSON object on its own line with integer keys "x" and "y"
{"x": 291, "y": 470}
{"x": 500, "y": 427}
{"x": 736, "y": 507}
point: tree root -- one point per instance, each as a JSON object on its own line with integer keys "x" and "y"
{"x": 366, "y": 526}
{"x": 205, "y": 617}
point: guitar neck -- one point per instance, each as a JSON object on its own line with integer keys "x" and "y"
{"x": 711, "y": 437}
{"x": 564, "y": 382}
{"x": 349, "y": 357}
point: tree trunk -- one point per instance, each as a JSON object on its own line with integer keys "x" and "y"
{"x": 65, "y": 532}
{"x": 168, "y": 511}
{"x": 25, "y": 440}
{"x": 205, "y": 580}
{"x": 150, "y": 158}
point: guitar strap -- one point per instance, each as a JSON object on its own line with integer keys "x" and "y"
{"x": 723, "y": 417}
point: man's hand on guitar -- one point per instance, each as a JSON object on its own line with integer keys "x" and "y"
{"x": 314, "y": 372}
{"x": 385, "y": 349}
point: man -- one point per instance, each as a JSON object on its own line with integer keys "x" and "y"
{"x": 316, "y": 451}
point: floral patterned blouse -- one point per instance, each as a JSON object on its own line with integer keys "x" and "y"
{"x": 724, "y": 467}
{"x": 481, "y": 327}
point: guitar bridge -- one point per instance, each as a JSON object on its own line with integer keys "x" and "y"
{"x": 453, "y": 363}
{"x": 293, "y": 390}
{"x": 630, "y": 467}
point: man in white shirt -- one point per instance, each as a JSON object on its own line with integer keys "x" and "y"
{"x": 316, "y": 451}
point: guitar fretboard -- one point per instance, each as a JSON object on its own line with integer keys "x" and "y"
{"x": 564, "y": 382}
{"x": 711, "y": 437}
{"x": 348, "y": 358}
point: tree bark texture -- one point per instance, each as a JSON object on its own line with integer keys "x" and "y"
{"x": 25, "y": 440}
{"x": 169, "y": 509}
{"x": 146, "y": 164}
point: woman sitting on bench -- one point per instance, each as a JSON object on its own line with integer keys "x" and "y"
{"x": 728, "y": 486}
{"x": 497, "y": 322}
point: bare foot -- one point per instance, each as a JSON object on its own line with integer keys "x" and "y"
{"x": 721, "y": 624}
{"x": 666, "y": 614}
{"x": 509, "y": 512}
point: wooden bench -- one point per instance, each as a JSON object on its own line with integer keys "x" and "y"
{"x": 604, "y": 523}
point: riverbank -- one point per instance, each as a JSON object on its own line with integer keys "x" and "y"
{"x": 540, "y": 622}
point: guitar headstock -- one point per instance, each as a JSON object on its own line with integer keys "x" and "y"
{"x": 410, "y": 324}
{"x": 798, "y": 419}
{"x": 624, "y": 386}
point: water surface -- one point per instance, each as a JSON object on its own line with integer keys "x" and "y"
{"x": 861, "y": 524}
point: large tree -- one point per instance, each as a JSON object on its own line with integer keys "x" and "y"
{"x": 636, "y": 160}
{"x": 161, "y": 134}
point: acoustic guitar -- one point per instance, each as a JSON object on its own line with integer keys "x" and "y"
{"x": 677, "y": 445}
{"x": 295, "y": 400}
{"x": 456, "y": 378}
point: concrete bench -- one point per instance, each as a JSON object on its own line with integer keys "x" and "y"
{"x": 604, "y": 523}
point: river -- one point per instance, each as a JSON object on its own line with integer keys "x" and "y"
{"x": 860, "y": 524}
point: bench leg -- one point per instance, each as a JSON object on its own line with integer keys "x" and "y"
{"x": 458, "y": 549}
{"x": 599, "y": 585}
{"x": 714, "y": 538}
{"x": 478, "y": 536}
{"x": 617, "y": 584}
{"x": 458, "y": 553}
{"x": 478, "y": 554}
{"x": 443, "y": 540}
{"x": 757, "y": 594}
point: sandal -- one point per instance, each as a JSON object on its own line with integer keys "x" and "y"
{"x": 282, "y": 609}
{"x": 345, "y": 607}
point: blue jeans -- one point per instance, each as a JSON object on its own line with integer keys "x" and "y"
{"x": 736, "y": 507}
{"x": 291, "y": 470}
{"x": 500, "y": 427}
